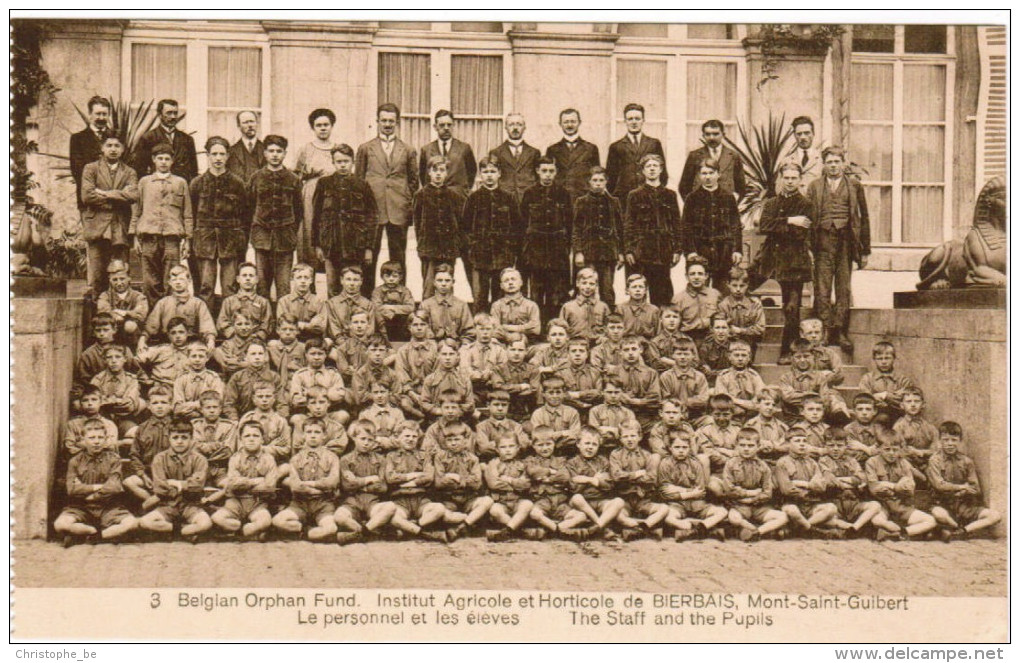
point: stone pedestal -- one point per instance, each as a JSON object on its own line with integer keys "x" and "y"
{"x": 47, "y": 340}
{"x": 952, "y": 298}
{"x": 958, "y": 357}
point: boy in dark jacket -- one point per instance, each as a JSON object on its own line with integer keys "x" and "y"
{"x": 546, "y": 214}
{"x": 652, "y": 232}
{"x": 597, "y": 231}
{"x": 436, "y": 215}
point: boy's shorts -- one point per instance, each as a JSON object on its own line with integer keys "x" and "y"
{"x": 691, "y": 508}
{"x": 215, "y": 476}
{"x": 360, "y": 505}
{"x": 848, "y": 506}
{"x": 509, "y": 500}
{"x": 638, "y": 504}
{"x": 807, "y": 509}
{"x": 898, "y": 510}
{"x": 460, "y": 502}
{"x": 100, "y": 517}
{"x": 555, "y": 506}
{"x": 963, "y": 511}
{"x": 598, "y": 503}
{"x": 755, "y": 513}
{"x": 242, "y": 506}
{"x": 312, "y": 510}
{"x": 179, "y": 512}
{"x": 414, "y": 505}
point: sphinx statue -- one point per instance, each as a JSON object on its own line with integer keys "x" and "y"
{"x": 979, "y": 259}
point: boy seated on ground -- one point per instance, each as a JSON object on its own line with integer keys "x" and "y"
{"x": 93, "y": 510}
{"x": 608, "y": 417}
{"x": 562, "y": 419}
{"x": 457, "y": 485}
{"x": 592, "y": 486}
{"x": 959, "y": 508}
{"x": 747, "y": 486}
{"x": 498, "y": 425}
{"x": 847, "y": 485}
{"x": 313, "y": 479}
{"x": 802, "y": 488}
{"x": 507, "y": 480}
{"x": 891, "y": 482}
{"x": 633, "y": 472}
{"x": 409, "y": 473}
{"x": 178, "y": 479}
{"x": 550, "y": 482}
{"x": 361, "y": 512}
{"x": 682, "y": 486}
{"x": 251, "y": 483}
{"x": 150, "y": 438}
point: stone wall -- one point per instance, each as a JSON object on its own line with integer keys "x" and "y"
{"x": 47, "y": 340}
{"x": 959, "y": 359}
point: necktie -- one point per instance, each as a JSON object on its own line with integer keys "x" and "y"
{"x": 443, "y": 149}
{"x": 804, "y": 160}
{"x": 516, "y": 149}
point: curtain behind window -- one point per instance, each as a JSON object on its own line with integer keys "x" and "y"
{"x": 405, "y": 80}
{"x": 476, "y": 90}
{"x": 235, "y": 84}
{"x": 158, "y": 71}
{"x": 871, "y": 139}
{"x": 642, "y": 82}
{"x": 711, "y": 95}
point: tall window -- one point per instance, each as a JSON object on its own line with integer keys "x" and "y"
{"x": 405, "y": 80}
{"x": 159, "y": 71}
{"x": 235, "y": 84}
{"x": 642, "y": 82}
{"x": 476, "y": 90}
{"x": 472, "y": 86}
{"x": 899, "y": 133}
{"x": 711, "y": 95}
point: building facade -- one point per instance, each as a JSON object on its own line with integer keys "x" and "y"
{"x": 926, "y": 103}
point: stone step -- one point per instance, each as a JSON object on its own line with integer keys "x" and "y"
{"x": 768, "y": 353}
{"x": 774, "y": 315}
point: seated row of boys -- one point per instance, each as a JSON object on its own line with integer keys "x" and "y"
{"x": 442, "y": 495}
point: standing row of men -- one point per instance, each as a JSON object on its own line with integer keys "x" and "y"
{"x": 389, "y": 167}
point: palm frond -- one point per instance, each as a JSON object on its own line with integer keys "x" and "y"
{"x": 762, "y": 149}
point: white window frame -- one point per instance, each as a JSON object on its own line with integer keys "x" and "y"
{"x": 677, "y": 50}
{"x": 441, "y": 44}
{"x": 898, "y": 59}
{"x": 198, "y": 37}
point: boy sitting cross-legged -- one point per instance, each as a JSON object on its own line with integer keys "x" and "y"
{"x": 550, "y": 481}
{"x": 409, "y": 473}
{"x": 592, "y": 485}
{"x": 847, "y": 485}
{"x": 251, "y": 483}
{"x": 683, "y": 487}
{"x": 633, "y": 471}
{"x": 313, "y": 478}
{"x": 361, "y": 476}
{"x": 178, "y": 478}
{"x": 458, "y": 480}
{"x": 957, "y": 493}
{"x": 94, "y": 490}
{"x": 802, "y": 486}
{"x": 747, "y": 485}
{"x": 507, "y": 479}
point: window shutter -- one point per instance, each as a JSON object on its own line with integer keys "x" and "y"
{"x": 991, "y": 121}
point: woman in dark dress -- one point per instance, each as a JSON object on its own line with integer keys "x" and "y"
{"x": 785, "y": 256}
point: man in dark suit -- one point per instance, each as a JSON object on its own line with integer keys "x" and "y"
{"x": 246, "y": 155}
{"x": 461, "y": 168}
{"x": 517, "y": 160}
{"x": 185, "y": 156}
{"x": 389, "y": 167}
{"x": 731, "y": 168}
{"x": 574, "y": 156}
{"x": 623, "y": 169}
{"x": 86, "y": 144}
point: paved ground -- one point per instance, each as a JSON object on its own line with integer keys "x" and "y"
{"x": 972, "y": 568}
